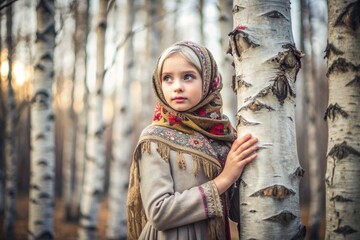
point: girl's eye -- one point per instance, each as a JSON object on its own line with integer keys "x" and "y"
{"x": 166, "y": 79}
{"x": 189, "y": 77}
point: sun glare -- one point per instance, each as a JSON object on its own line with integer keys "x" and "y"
{"x": 19, "y": 73}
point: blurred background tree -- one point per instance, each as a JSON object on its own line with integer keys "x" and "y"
{"x": 128, "y": 98}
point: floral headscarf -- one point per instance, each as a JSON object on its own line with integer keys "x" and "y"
{"x": 206, "y": 117}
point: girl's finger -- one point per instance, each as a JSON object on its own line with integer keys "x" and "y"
{"x": 238, "y": 142}
{"x": 246, "y": 145}
{"x": 249, "y": 159}
{"x": 248, "y": 151}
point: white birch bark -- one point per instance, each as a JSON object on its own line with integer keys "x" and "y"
{"x": 81, "y": 95}
{"x": 343, "y": 116}
{"x": 122, "y": 136}
{"x": 42, "y": 174}
{"x": 227, "y": 71}
{"x": 10, "y": 137}
{"x": 95, "y": 144}
{"x": 266, "y": 65}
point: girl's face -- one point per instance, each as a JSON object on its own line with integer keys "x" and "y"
{"x": 181, "y": 83}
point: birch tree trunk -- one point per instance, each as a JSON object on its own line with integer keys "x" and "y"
{"x": 227, "y": 71}
{"x": 10, "y": 137}
{"x": 122, "y": 144}
{"x": 95, "y": 144}
{"x": 81, "y": 95}
{"x": 343, "y": 116}
{"x": 42, "y": 172}
{"x": 68, "y": 157}
{"x": 266, "y": 65}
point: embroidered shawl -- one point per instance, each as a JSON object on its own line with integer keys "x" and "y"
{"x": 204, "y": 120}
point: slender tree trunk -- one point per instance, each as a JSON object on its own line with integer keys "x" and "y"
{"x": 42, "y": 176}
{"x": 68, "y": 160}
{"x": 69, "y": 146}
{"x": 266, "y": 65}
{"x": 343, "y": 116}
{"x": 95, "y": 144}
{"x": 227, "y": 71}
{"x": 81, "y": 95}
{"x": 152, "y": 52}
{"x": 202, "y": 22}
{"x": 2, "y": 140}
{"x": 312, "y": 133}
{"x": 176, "y": 20}
{"x": 122, "y": 135}
{"x": 10, "y": 140}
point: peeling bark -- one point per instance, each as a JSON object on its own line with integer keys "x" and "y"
{"x": 276, "y": 191}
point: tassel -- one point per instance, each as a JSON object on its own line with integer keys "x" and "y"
{"x": 145, "y": 147}
{"x": 216, "y": 228}
{"x": 164, "y": 151}
{"x": 207, "y": 169}
{"x": 181, "y": 160}
{"x": 196, "y": 165}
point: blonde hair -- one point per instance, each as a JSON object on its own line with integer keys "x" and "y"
{"x": 184, "y": 51}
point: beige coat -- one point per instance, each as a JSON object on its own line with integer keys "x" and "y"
{"x": 177, "y": 203}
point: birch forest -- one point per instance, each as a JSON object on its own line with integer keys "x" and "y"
{"x": 75, "y": 93}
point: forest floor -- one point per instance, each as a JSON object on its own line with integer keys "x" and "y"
{"x": 68, "y": 230}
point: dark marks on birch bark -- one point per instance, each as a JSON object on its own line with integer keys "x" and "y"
{"x": 334, "y": 110}
{"x": 241, "y": 121}
{"x": 343, "y": 66}
{"x": 239, "y": 41}
{"x": 342, "y": 150}
{"x": 256, "y": 105}
{"x": 345, "y": 230}
{"x": 350, "y": 17}
{"x": 284, "y": 218}
{"x": 339, "y": 198}
{"x": 276, "y": 191}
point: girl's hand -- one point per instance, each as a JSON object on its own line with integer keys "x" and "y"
{"x": 239, "y": 155}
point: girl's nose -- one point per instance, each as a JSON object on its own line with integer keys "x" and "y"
{"x": 178, "y": 86}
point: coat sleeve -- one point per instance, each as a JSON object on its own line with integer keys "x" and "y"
{"x": 166, "y": 208}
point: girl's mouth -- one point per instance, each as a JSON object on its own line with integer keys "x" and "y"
{"x": 179, "y": 99}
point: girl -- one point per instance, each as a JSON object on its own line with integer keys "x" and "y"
{"x": 187, "y": 159}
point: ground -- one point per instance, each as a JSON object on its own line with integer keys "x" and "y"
{"x": 63, "y": 230}
{"x": 68, "y": 230}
